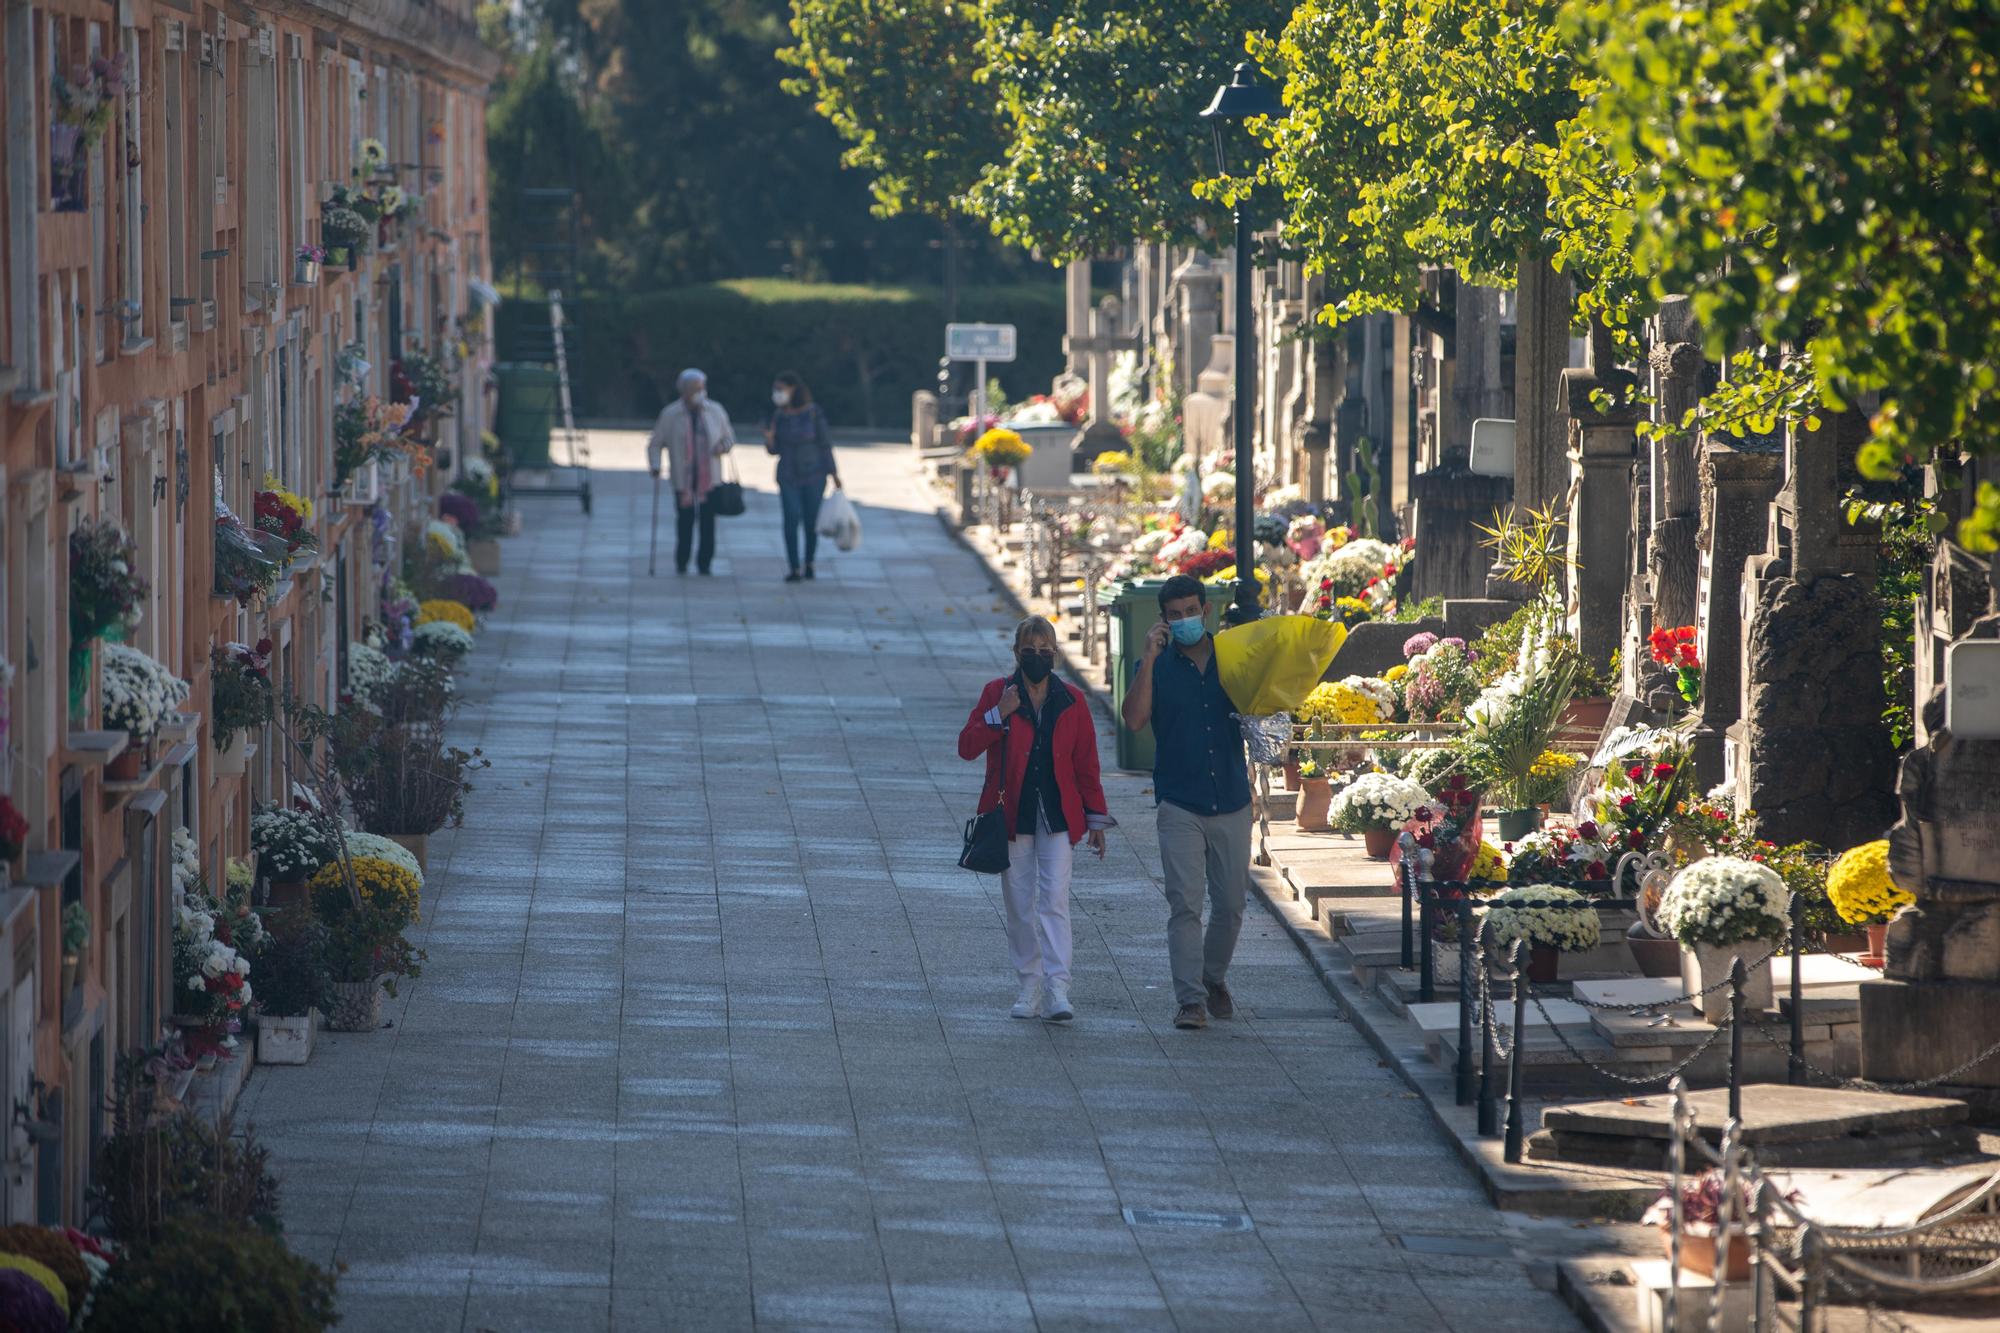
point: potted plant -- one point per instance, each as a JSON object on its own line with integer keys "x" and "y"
{"x": 367, "y": 430}
{"x": 215, "y": 1273}
{"x": 343, "y": 229}
{"x": 1552, "y": 919}
{"x": 106, "y": 597}
{"x": 441, "y": 641}
{"x": 1676, "y": 648}
{"x": 211, "y": 980}
{"x": 75, "y": 940}
{"x": 305, "y": 264}
{"x": 247, "y": 564}
{"x": 284, "y": 514}
{"x": 1510, "y": 725}
{"x": 365, "y": 949}
{"x": 1722, "y": 908}
{"x": 1703, "y": 1199}
{"x": 138, "y": 692}
{"x": 472, "y": 591}
{"x": 82, "y": 108}
{"x": 1376, "y": 805}
{"x": 405, "y": 780}
{"x": 291, "y": 846}
{"x": 295, "y": 985}
{"x": 1657, "y": 952}
{"x": 1315, "y": 796}
{"x": 1863, "y": 893}
{"x": 1000, "y": 449}
{"x": 240, "y": 696}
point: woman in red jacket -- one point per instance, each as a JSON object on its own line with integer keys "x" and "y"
{"x": 1039, "y": 727}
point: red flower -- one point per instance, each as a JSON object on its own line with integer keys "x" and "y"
{"x": 1636, "y": 839}
{"x": 1637, "y": 772}
{"x": 1507, "y": 847}
{"x": 1587, "y": 830}
{"x": 1597, "y": 870}
{"x": 1627, "y": 801}
{"x": 1423, "y": 812}
{"x": 1663, "y": 770}
{"x": 1426, "y": 840}
{"x": 13, "y": 827}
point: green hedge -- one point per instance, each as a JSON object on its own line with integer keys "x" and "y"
{"x": 862, "y": 349}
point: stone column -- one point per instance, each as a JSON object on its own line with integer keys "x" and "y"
{"x": 1541, "y": 354}
{"x": 1476, "y": 387}
{"x": 1076, "y": 306}
{"x": 923, "y": 419}
{"x": 1679, "y": 374}
{"x": 1737, "y": 483}
{"x": 1199, "y": 317}
{"x": 1812, "y": 753}
{"x": 1205, "y": 414}
{"x": 1321, "y": 383}
{"x": 1100, "y": 430}
{"x": 1602, "y": 445}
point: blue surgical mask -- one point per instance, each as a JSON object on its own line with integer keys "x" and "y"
{"x": 1187, "y": 632}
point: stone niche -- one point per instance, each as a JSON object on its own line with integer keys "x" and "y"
{"x": 1448, "y": 502}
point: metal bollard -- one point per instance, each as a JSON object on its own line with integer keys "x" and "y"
{"x": 1409, "y": 848}
{"x": 1795, "y": 1064}
{"x": 1736, "y": 1038}
{"x": 1467, "y": 989}
{"x": 1489, "y": 1109}
{"x": 1519, "y": 1059}
{"x": 1426, "y": 963}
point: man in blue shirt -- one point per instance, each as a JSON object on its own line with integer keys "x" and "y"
{"x": 1201, "y": 782}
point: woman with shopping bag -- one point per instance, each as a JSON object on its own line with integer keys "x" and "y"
{"x": 797, "y": 434}
{"x": 1035, "y": 733}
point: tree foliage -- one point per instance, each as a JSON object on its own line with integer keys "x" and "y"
{"x": 1821, "y": 174}
{"x": 1100, "y": 103}
{"x": 897, "y": 80}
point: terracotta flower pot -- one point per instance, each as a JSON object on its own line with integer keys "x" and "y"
{"x": 1656, "y": 957}
{"x": 1847, "y": 941}
{"x": 129, "y": 764}
{"x": 1544, "y": 961}
{"x": 1698, "y": 1254}
{"x": 1292, "y": 778}
{"x": 1587, "y": 715}
{"x": 1379, "y": 842}
{"x": 1315, "y": 799}
{"x": 286, "y": 894}
{"x": 417, "y": 845}
{"x": 1878, "y": 941}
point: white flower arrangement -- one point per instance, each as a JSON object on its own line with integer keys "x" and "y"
{"x": 441, "y": 638}
{"x": 476, "y": 470}
{"x": 186, "y": 861}
{"x": 382, "y": 849}
{"x": 1177, "y": 549}
{"x": 1374, "y": 689}
{"x": 138, "y": 691}
{"x": 291, "y": 844}
{"x": 1218, "y": 486}
{"x": 1280, "y": 496}
{"x": 1149, "y": 543}
{"x": 1633, "y": 743}
{"x": 368, "y": 670}
{"x": 1724, "y": 900}
{"x": 1350, "y": 567}
{"x": 1545, "y": 914}
{"x": 1375, "y": 802}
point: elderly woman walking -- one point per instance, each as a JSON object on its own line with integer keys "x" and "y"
{"x": 1040, "y": 745}
{"x": 693, "y": 430}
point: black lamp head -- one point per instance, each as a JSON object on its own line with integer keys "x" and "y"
{"x": 1238, "y": 100}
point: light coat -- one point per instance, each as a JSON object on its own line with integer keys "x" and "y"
{"x": 674, "y": 433}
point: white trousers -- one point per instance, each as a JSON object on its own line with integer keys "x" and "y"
{"x": 1035, "y": 886}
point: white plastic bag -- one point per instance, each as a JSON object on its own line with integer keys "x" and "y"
{"x": 835, "y": 513}
{"x": 849, "y": 535}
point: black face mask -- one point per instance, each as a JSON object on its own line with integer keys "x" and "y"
{"x": 1036, "y": 666}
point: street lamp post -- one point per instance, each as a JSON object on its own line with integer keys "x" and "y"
{"x": 1240, "y": 99}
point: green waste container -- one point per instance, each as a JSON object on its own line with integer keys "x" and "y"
{"x": 1135, "y": 609}
{"x": 526, "y": 411}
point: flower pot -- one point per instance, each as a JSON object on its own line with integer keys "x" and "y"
{"x": 71, "y": 964}
{"x": 129, "y": 764}
{"x": 283, "y": 895}
{"x": 1544, "y": 961}
{"x": 1314, "y": 801}
{"x": 1292, "y": 778}
{"x": 1708, "y": 964}
{"x": 1878, "y": 940}
{"x": 357, "y": 1006}
{"x": 484, "y": 553}
{"x": 417, "y": 845}
{"x": 1587, "y": 715}
{"x": 1657, "y": 956}
{"x": 234, "y": 759}
{"x": 285, "y": 1040}
{"x": 1698, "y": 1253}
{"x": 179, "y": 1082}
{"x": 1379, "y": 842}
{"x": 1518, "y": 824}
{"x": 305, "y": 272}
{"x": 1850, "y": 941}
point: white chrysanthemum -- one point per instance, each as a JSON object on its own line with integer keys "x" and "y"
{"x": 368, "y": 669}
{"x": 382, "y": 849}
{"x": 1376, "y": 801}
{"x": 1544, "y": 914}
{"x": 1723, "y": 900}
{"x": 441, "y": 638}
{"x": 138, "y": 691}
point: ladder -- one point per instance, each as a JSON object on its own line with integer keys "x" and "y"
{"x": 576, "y": 446}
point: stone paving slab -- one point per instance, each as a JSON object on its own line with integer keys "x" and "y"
{"x": 713, "y": 1033}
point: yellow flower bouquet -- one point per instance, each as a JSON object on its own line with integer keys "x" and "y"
{"x": 1001, "y": 447}
{"x": 1860, "y": 887}
{"x": 443, "y": 608}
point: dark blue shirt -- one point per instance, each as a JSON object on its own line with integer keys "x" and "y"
{"x": 1198, "y": 758}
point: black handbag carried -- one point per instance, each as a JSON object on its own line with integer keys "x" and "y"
{"x": 725, "y": 498}
{"x": 986, "y": 835}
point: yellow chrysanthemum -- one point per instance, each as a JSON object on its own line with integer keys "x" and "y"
{"x": 383, "y": 884}
{"x": 1396, "y": 672}
{"x": 1860, "y": 887}
{"x": 1487, "y": 863}
{"x": 1001, "y": 447}
{"x": 1219, "y": 540}
{"x": 443, "y": 608}
{"x": 43, "y": 1274}
{"x": 1554, "y": 764}
{"x": 1112, "y": 462}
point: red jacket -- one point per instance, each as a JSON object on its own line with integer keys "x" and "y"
{"x": 1074, "y": 747}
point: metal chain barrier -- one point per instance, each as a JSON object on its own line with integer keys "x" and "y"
{"x": 1869, "y": 1085}
{"x": 1632, "y": 1080}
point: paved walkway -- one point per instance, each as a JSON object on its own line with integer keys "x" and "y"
{"x": 713, "y": 1033}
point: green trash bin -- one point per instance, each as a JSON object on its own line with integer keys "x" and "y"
{"x": 1135, "y": 609}
{"x": 526, "y": 411}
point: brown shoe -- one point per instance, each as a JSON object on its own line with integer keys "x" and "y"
{"x": 1190, "y": 1016}
{"x": 1220, "y": 1002}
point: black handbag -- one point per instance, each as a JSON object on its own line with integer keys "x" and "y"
{"x": 725, "y": 498}
{"x": 985, "y": 850}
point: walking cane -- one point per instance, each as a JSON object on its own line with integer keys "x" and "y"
{"x": 653, "y": 551}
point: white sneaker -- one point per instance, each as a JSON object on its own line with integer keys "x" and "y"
{"x": 1057, "y": 1010}
{"x": 1029, "y": 1004}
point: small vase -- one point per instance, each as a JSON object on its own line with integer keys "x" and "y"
{"x": 1878, "y": 940}
{"x": 1292, "y": 778}
{"x": 1314, "y": 801}
{"x": 1698, "y": 1253}
{"x": 1544, "y": 961}
{"x": 1519, "y": 823}
{"x": 1707, "y": 965}
{"x": 357, "y": 1006}
{"x": 129, "y": 764}
{"x": 305, "y": 272}
{"x": 1379, "y": 843}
